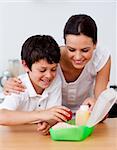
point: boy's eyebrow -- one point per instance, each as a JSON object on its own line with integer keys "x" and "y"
{"x": 43, "y": 66}
{"x": 46, "y": 66}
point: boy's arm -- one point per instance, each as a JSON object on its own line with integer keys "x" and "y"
{"x": 11, "y": 117}
{"x": 9, "y": 114}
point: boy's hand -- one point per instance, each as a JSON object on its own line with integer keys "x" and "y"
{"x": 89, "y": 101}
{"x": 43, "y": 128}
{"x": 57, "y": 113}
{"x": 13, "y": 85}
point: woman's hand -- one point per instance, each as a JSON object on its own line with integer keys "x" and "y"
{"x": 13, "y": 85}
{"x": 90, "y": 101}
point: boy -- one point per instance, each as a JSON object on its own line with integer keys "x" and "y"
{"x": 40, "y": 56}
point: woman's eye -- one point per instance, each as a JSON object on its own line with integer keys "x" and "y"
{"x": 85, "y": 50}
{"x": 71, "y": 50}
{"x": 54, "y": 69}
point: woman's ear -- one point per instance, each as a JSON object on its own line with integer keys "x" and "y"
{"x": 25, "y": 66}
{"x": 94, "y": 46}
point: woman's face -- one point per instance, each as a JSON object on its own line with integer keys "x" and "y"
{"x": 79, "y": 50}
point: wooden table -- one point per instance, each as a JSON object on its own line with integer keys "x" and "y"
{"x": 26, "y": 137}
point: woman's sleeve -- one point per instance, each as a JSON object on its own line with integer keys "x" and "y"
{"x": 100, "y": 58}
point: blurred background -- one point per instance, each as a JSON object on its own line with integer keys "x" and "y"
{"x": 20, "y": 19}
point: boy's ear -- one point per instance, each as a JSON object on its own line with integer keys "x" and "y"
{"x": 25, "y": 66}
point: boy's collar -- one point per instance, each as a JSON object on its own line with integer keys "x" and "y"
{"x": 31, "y": 90}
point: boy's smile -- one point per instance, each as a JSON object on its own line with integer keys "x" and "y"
{"x": 42, "y": 74}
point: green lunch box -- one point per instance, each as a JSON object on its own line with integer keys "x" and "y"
{"x": 71, "y": 134}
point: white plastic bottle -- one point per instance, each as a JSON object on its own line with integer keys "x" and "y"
{"x": 82, "y": 115}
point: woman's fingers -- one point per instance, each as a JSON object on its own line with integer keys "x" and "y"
{"x": 18, "y": 83}
{"x": 6, "y": 93}
{"x": 17, "y": 80}
{"x": 13, "y": 85}
{"x": 91, "y": 102}
{"x": 12, "y": 89}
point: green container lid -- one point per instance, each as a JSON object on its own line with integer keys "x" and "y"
{"x": 71, "y": 134}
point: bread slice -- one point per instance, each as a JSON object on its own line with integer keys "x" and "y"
{"x": 62, "y": 125}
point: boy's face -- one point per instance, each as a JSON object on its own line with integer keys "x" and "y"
{"x": 42, "y": 74}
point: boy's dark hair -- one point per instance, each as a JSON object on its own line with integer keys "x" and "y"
{"x": 81, "y": 24}
{"x": 40, "y": 47}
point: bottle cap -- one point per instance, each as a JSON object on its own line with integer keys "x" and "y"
{"x": 84, "y": 107}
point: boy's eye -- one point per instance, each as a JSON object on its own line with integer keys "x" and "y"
{"x": 42, "y": 70}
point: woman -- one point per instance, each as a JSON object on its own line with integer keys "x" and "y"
{"x": 84, "y": 68}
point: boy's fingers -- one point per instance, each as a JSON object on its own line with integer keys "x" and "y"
{"x": 64, "y": 108}
{"x": 42, "y": 126}
{"x": 45, "y": 133}
{"x": 59, "y": 117}
{"x": 47, "y": 129}
{"x": 62, "y": 111}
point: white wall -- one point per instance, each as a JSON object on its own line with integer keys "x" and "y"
{"x": 19, "y": 20}
{"x": 116, "y": 47}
